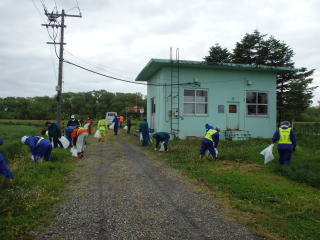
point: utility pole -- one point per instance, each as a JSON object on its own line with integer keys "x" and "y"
{"x": 52, "y": 17}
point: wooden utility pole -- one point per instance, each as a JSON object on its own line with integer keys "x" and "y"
{"x": 53, "y": 17}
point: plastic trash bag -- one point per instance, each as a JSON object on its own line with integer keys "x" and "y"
{"x": 64, "y": 141}
{"x": 86, "y": 126}
{"x": 111, "y": 126}
{"x": 97, "y": 134}
{"x": 161, "y": 147}
{"x": 74, "y": 151}
{"x": 267, "y": 153}
{"x": 125, "y": 128}
{"x": 150, "y": 137}
{"x": 141, "y": 137}
{"x": 208, "y": 153}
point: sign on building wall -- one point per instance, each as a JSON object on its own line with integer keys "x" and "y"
{"x": 220, "y": 108}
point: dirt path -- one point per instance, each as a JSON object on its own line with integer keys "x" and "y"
{"x": 119, "y": 193}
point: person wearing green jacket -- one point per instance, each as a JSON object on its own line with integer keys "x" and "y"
{"x": 54, "y": 134}
{"x": 102, "y": 127}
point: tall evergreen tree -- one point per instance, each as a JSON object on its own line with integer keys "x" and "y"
{"x": 217, "y": 54}
{"x": 296, "y": 94}
{"x": 250, "y": 50}
{"x": 293, "y": 92}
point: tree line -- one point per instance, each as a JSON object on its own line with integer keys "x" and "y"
{"x": 294, "y": 92}
{"x": 93, "y": 104}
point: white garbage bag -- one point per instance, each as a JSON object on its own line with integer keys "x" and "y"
{"x": 216, "y": 152}
{"x": 125, "y": 128}
{"x": 267, "y": 153}
{"x": 64, "y": 141}
{"x": 97, "y": 134}
{"x": 161, "y": 147}
{"x": 111, "y": 126}
{"x": 141, "y": 137}
{"x": 74, "y": 151}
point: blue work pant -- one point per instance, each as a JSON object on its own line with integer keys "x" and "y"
{"x": 285, "y": 156}
{"x": 207, "y": 144}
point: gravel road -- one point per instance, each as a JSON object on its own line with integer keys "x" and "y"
{"x": 119, "y": 193}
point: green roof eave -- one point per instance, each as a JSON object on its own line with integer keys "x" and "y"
{"x": 154, "y": 65}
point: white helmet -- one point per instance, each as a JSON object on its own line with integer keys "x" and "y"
{"x": 72, "y": 116}
{"x": 23, "y": 139}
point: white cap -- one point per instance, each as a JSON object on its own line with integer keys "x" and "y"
{"x": 23, "y": 139}
{"x": 72, "y": 116}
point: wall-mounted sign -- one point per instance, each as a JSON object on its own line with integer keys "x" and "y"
{"x": 220, "y": 108}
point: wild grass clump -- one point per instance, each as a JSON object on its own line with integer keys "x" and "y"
{"x": 265, "y": 197}
{"x": 28, "y": 202}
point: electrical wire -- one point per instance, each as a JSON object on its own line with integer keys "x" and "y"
{"x": 78, "y": 7}
{"x": 98, "y": 66}
{"x": 55, "y": 4}
{"x": 128, "y": 81}
{"x": 44, "y": 6}
{"x": 38, "y": 10}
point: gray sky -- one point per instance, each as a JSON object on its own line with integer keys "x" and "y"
{"x": 119, "y": 37}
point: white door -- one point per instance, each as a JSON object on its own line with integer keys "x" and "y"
{"x": 233, "y": 116}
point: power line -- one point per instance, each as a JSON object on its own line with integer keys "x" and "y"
{"x": 38, "y": 10}
{"x": 55, "y": 4}
{"x": 78, "y": 7}
{"x": 128, "y": 81}
{"x": 99, "y": 66}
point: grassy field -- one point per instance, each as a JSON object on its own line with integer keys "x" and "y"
{"x": 277, "y": 202}
{"x": 28, "y": 202}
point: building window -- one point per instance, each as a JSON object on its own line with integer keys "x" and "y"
{"x": 195, "y": 102}
{"x": 257, "y": 103}
{"x": 153, "y": 106}
{"x": 232, "y": 108}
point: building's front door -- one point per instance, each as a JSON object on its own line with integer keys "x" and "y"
{"x": 233, "y": 116}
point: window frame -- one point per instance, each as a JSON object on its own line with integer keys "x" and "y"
{"x": 257, "y": 104}
{"x": 195, "y": 102}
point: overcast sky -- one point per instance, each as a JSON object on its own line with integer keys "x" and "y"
{"x": 119, "y": 37}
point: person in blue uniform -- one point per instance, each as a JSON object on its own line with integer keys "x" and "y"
{"x": 67, "y": 132}
{"x": 39, "y": 147}
{"x": 144, "y": 130}
{"x": 4, "y": 169}
{"x": 116, "y": 125}
{"x": 161, "y": 137}
{"x": 210, "y": 141}
{"x": 287, "y": 142}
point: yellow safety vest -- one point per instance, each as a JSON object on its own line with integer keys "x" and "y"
{"x": 284, "y": 136}
{"x": 209, "y": 134}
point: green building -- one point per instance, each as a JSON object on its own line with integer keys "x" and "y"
{"x": 185, "y": 95}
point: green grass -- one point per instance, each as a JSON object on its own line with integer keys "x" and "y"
{"x": 273, "y": 201}
{"x": 27, "y": 203}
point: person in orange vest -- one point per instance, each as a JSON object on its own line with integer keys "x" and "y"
{"x": 121, "y": 120}
{"x": 89, "y": 124}
{"x": 79, "y": 136}
{"x": 287, "y": 142}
